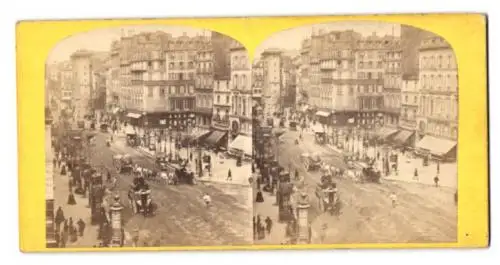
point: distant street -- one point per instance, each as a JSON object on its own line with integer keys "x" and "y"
{"x": 181, "y": 218}
{"x": 424, "y": 213}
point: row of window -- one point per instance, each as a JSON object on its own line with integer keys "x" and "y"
{"x": 447, "y": 82}
{"x": 171, "y": 90}
{"x": 339, "y": 90}
{"x": 438, "y": 61}
{"x": 239, "y": 62}
{"x": 241, "y": 106}
{"x": 439, "y": 107}
{"x": 370, "y": 65}
{"x": 240, "y": 81}
{"x": 204, "y": 101}
{"x": 181, "y": 104}
{"x": 442, "y": 130}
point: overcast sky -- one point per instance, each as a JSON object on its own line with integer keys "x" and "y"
{"x": 100, "y": 40}
{"x": 291, "y": 39}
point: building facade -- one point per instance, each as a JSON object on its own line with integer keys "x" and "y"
{"x": 204, "y": 85}
{"x": 81, "y": 66}
{"x": 392, "y": 85}
{"x": 438, "y": 80}
{"x": 410, "y": 99}
{"x": 257, "y": 82}
{"x": 271, "y": 92}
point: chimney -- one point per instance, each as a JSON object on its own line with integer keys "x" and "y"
{"x": 184, "y": 34}
{"x": 374, "y": 34}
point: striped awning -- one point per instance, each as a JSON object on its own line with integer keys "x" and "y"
{"x": 403, "y": 136}
{"x": 436, "y": 146}
{"x": 215, "y": 137}
{"x": 384, "y": 133}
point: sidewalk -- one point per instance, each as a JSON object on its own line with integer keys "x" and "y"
{"x": 220, "y": 168}
{"x": 265, "y": 209}
{"x": 447, "y": 172}
{"x": 77, "y": 211}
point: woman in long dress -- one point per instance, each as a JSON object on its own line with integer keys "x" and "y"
{"x": 71, "y": 198}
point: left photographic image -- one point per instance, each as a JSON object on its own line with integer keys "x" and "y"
{"x": 148, "y": 139}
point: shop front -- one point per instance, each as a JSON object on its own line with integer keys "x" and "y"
{"x": 438, "y": 148}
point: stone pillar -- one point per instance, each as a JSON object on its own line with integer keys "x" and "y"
{"x": 116, "y": 223}
{"x": 303, "y": 225}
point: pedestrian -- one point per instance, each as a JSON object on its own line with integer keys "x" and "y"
{"x": 393, "y": 198}
{"x": 71, "y": 198}
{"x": 456, "y": 197}
{"x": 207, "y": 200}
{"x": 229, "y": 175}
{"x": 54, "y": 162}
{"x": 436, "y": 181}
{"x": 259, "y": 197}
{"x": 296, "y": 174}
{"x": 63, "y": 239}
{"x": 415, "y": 175}
{"x": 190, "y": 156}
{"x": 437, "y": 167}
{"x": 269, "y": 225}
{"x": 254, "y": 228}
{"x": 81, "y": 226}
{"x": 108, "y": 176}
{"x": 59, "y": 218}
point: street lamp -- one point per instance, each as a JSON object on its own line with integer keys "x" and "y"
{"x": 116, "y": 223}
{"x": 303, "y": 225}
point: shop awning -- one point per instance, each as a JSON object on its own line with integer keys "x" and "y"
{"x": 384, "y": 133}
{"x": 403, "y": 136}
{"x": 215, "y": 137}
{"x": 437, "y": 146}
{"x": 196, "y": 135}
{"x": 323, "y": 113}
{"x": 242, "y": 143}
{"x": 133, "y": 115}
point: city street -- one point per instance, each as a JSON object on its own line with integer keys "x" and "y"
{"x": 182, "y": 217}
{"x": 424, "y": 213}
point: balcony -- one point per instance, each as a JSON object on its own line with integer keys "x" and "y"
{"x": 136, "y": 82}
{"x": 208, "y": 70}
{"x": 155, "y": 82}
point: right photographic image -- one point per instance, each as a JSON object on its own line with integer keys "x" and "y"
{"x": 355, "y": 128}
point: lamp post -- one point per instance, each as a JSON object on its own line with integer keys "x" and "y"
{"x": 303, "y": 225}
{"x": 116, "y": 223}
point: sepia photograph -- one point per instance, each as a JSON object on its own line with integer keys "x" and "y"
{"x": 148, "y": 139}
{"x": 355, "y": 136}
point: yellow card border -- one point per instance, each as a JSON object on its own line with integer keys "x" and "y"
{"x": 465, "y": 32}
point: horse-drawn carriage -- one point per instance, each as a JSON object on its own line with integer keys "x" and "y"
{"x": 178, "y": 173}
{"x": 311, "y": 161}
{"x": 140, "y": 198}
{"x": 104, "y": 127}
{"x": 292, "y": 125}
{"x": 370, "y": 174}
{"x": 161, "y": 161}
{"x": 123, "y": 163}
{"x": 328, "y": 199}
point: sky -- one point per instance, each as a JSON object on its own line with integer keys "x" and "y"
{"x": 291, "y": 39}
{"x": 100, "y": 40}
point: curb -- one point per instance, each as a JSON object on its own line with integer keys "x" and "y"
{"x": 205, "y": 181}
